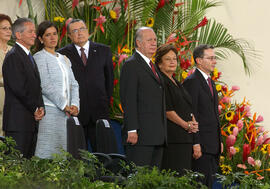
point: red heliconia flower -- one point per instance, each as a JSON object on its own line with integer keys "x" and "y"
{"x": 246, "y": 152}
{"x": 20, "y": 3}
{"x": 115, "y": 82}
{"x": 230, "y": 140}
{"x": 161, "y": 4}
{"x": 201, "y": 24}
{"x": 178, "y": 4}
{"x": 114, "y": 64}
{"x": 131, "y": 24}
{"x": 172, "y": 38}
{"x": 235, "y": 119}
{"x": 64, "y": 30}
{"x": 184, "y": 64}
{"x": 100, "y": 20}
{"x": 242, "y": 108}
{"x": 74, "y": 3}
{"x": 126, "y": 4}
{"x": 224, "y": 88}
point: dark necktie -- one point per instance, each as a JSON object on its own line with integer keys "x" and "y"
{"x": 32, "y": 60}
{"x": 154, "y": 69}
{"x": 210, "y": 85}
{"x": 83, "y": 56}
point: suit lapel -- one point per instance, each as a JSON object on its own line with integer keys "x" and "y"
{"x": 91, "y": 53}
{"x": 28, "y": 62}
{"x": 146, "y": 67}
{"x": 75, "y": 53}
{"x": 204, "y": 84}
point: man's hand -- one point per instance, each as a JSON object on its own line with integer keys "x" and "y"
{"x": 39, "y": 113}
{"x": 74, "y": 110}
{"x": 132, "y": 138}
{"x": 197, "y": 152}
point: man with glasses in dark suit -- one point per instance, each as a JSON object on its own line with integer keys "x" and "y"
{"x": 207, "y": 142}
{"x": 93, "y": 69}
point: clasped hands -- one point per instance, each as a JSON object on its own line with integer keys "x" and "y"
{"x": 192, "y": 126}
{"x": 71, "y": 110}
{"x": 39, "y": 113}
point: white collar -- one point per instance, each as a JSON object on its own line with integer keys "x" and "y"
{"x": 24, "y": 48}
{"x": 146, "y": 59}
{"x": 204, "y": 74}
{"x": 86, "y": 46}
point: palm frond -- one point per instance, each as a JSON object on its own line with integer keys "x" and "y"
{"x": 217, "y": 35}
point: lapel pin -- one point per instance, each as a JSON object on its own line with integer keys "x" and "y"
{"x": 95, "y": 50}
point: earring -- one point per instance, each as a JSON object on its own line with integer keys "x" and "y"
{"x": 41, "y": 42}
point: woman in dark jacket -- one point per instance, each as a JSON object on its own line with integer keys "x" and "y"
{"x": 181, "y": 123}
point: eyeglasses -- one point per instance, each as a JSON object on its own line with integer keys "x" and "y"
{"x": 210, "y": 58}
{"x": 6, "y": 28}
{"x": 77, "y": 30}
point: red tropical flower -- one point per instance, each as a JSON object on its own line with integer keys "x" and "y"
{"x": 246, "y": 152}
{"x": 115, "y": 82}
{"x": 184, "y": 64}
{"x": 64, "y": 30}
{"x": 74, "y": 3}
{"x": 20, "y": 3}
{"x": 100, "y": 20}
{"x": 201, "y": 24}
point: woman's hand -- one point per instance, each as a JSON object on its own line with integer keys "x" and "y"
{"x": 74, "y": 110}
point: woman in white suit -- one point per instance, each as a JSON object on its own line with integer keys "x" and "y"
{"x": 60, "y": 92}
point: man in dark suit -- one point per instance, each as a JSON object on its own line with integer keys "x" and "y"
{"x": 207, "y": 144}
{"x": 142, "y": 98}
{"x": 23, "y": 106}
{"x": 93, "y": 69}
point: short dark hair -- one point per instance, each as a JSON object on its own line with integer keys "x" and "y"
{"x": 162, "y": 50}
{"x": 5, "y": 17}
{"x": 138, "y": 34}
{"x": 199, "y": 51}
{"x": 42, "y": 27}
{"x": 74, "y": 21}
{"x": 18, "y": 26}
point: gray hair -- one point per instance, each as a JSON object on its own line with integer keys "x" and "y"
{"x": 74, "y": 21}
{"x": 138, "y": 34}
{"x": 18, "y": 26}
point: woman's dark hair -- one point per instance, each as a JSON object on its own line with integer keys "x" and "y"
{"x": 42, "y": 27}
{"x": 162, "y": 50}
{"x": 5, "y": 17}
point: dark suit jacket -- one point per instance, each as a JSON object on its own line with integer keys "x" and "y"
{"x": 23, "y": 91}
{"x": 205, "y": 109}
{"x": 95, "y": 80}
{"x": 178, "y": 100}
{"x": 142, "y": 99}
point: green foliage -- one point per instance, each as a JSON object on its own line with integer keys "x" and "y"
{"x": 149, "y": 178}
{"x": 242, "y": 181}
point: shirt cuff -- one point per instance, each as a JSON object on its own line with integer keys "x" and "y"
{"x": 132, "y": 131}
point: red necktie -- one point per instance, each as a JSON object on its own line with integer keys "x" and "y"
{"x": 83, "y": 56}
{"x": 210, "y": 85}
{"x": 154, "y": 69}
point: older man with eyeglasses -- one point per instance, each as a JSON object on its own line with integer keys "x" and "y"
{"x": 93, "y": 69}
{"x": 207, "y": 144}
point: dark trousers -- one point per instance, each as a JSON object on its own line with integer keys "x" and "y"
{"x": 145, "y": 155}
{"x": 207, "y": 164}
{"x": 90, "y": 135}
{"x": 25, "y": 142}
